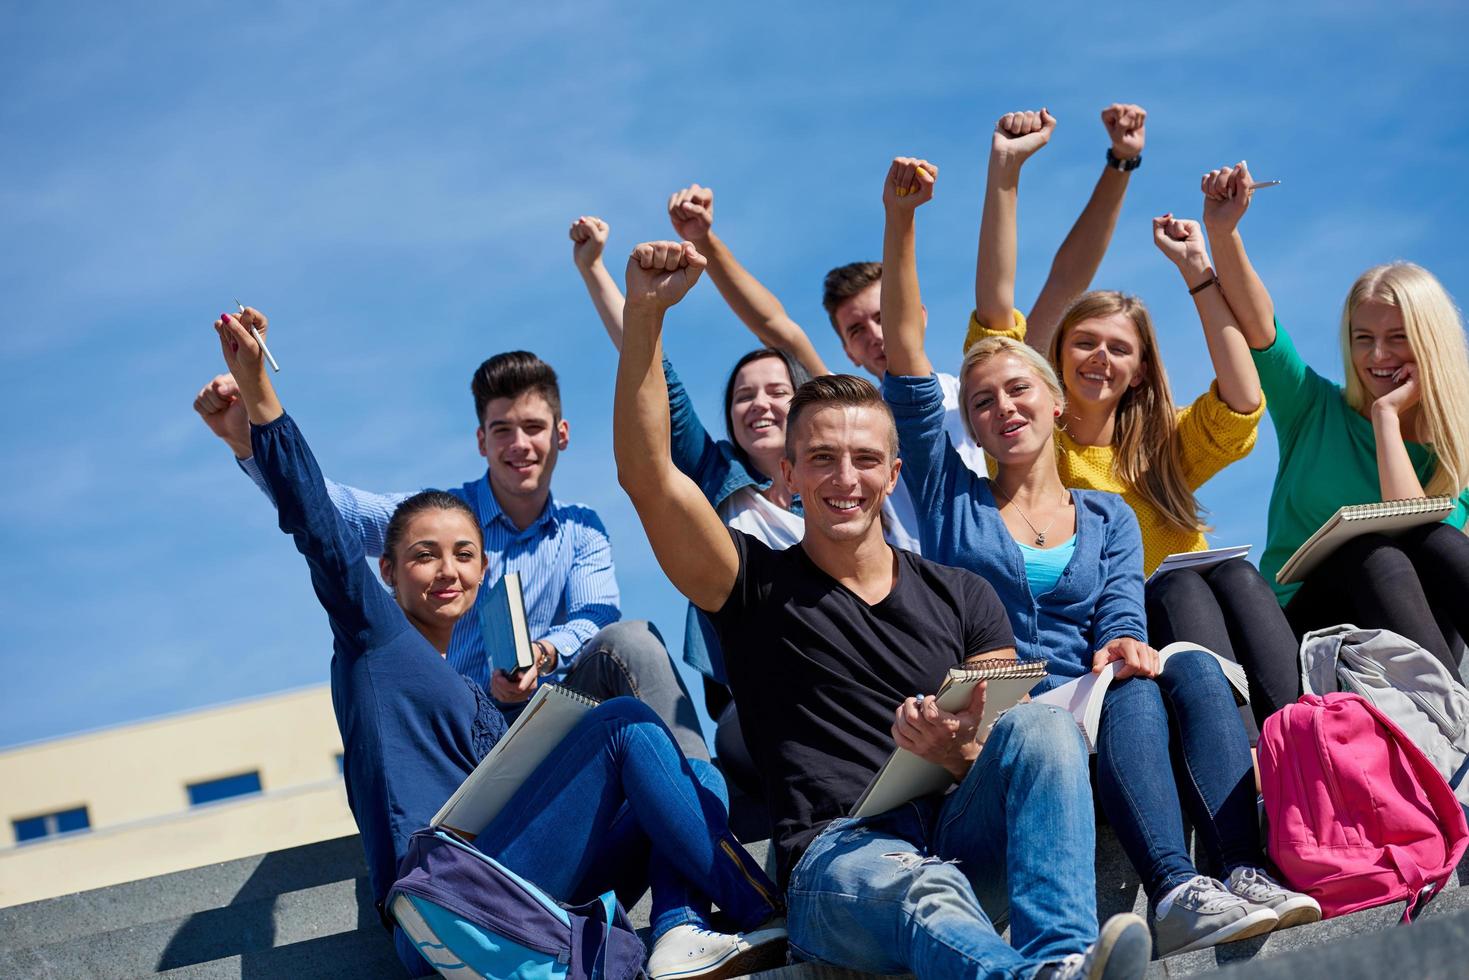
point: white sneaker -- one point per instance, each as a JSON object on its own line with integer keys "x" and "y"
{"x": 1201, "y": 913}
{"x": 689, "y": 953}
{"x": 1293, "y": 908}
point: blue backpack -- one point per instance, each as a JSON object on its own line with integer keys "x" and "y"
{"x": 471, "y": 916}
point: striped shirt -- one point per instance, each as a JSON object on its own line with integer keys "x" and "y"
{"x": 564, "y": 559}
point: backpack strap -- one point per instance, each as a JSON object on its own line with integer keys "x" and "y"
{"x": 608, "y": 907}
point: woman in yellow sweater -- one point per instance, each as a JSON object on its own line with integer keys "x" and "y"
{"x": 1122, "y": 432}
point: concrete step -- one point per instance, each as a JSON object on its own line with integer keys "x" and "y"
{"x": 239, "y": 929}
{"x": 181, "y": 893}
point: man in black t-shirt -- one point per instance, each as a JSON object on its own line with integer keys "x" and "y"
{"x": 831, "y": 640}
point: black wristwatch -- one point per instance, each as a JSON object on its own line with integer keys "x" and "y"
{"x": 546, "y": 661}
{"x": 1126, "y": 166}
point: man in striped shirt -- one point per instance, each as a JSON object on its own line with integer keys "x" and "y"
{"x": 560, "y": 549}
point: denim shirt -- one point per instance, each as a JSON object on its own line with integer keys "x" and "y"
{"x": 1099, "y": 596}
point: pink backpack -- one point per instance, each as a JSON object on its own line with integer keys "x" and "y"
{"x": 1358, "y": 815}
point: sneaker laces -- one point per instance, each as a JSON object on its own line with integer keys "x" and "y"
{"x": 1202, "y": 894}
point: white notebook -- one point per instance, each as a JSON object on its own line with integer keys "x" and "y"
{"x": 1386, "y": 517}
{"x": 1083, "y": 696}
{"x": 905, "y": 776}
{"x": 1199, "y": 560}
{"x": 546, "y": 720}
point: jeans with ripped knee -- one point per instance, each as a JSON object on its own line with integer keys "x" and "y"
{"x": 922, "y": 887}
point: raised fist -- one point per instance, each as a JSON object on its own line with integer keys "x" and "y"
{"x": 1227, "y": 196}
{"x": 909, "y": 183}
{"x": 692, "y": 212}
{"x": 1182, "y": 241}
{"x": 218, "y": 404}
{"x": 1124, "y": 123}
{"x": 1019, "y": 134}
{"x": 659, "y": 274}
{"x": 588, "y": 238}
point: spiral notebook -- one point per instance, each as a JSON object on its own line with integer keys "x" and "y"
{"x": 905, "y": 776}
{"x": 1386, "y": 517}
{"x": 546, "y": 720}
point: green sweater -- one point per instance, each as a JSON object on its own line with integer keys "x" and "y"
{"x": 1328, "y": 456}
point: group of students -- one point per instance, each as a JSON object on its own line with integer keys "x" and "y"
{"x": 846, "y": 545}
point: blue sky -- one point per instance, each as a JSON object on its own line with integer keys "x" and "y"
{"x": 392, "y": 184}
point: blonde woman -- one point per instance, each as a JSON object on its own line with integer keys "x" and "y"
{"x": 1122, "y": 432}
{"x": 1398, "y": 428}
{"x": 1067, "y": 564}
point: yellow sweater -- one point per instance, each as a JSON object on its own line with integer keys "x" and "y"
{"x": 1211, "y": 435}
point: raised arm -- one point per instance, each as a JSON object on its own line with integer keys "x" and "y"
{"x": 1183, "y": 243}
{"x": 1017, "y": 135}
{"x": 692, "y": 212}
{"x": 1227, "y": 194}
{"x": 1081, "y": 253}
{"x": 355, "y": 603}
{"x": 908, "y": 186}
{"x": 690, "y": 541}
{"x": 588, "y": 239}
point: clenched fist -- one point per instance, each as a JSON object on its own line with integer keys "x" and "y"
{"x": 1227, "y": 194}
{"x": 692, "y": 212}
{"x": 909, "y": 184}
{"x": 1124, "y": 122}
{"x": 659, "y": 274}
{"x": 588, "y": 238}
{"x": 1019, "y": 134}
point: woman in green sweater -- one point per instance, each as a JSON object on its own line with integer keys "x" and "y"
{"x": 1398, "y": 429}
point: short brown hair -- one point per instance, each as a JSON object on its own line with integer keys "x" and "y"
{"x": 843, "y": 391}
{"x": 846, "y": 281}
{"x": 510, "y": 375}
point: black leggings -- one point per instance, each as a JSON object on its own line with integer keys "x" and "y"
{"x": 1231, "y": 610}
{"x": 1416, "y": 585}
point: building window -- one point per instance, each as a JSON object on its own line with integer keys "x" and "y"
{"x": 214, "y": 790}
{"x": 51, "y": 824}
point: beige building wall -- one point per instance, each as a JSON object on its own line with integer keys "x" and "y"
{"x": 133, "y": 781}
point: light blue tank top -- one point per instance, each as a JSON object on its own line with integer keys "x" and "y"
{"x": 1043, "y": 566}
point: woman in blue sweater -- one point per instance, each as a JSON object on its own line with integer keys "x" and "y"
{"x": 1068, "y": 566}
{"x": 413, "y": 728}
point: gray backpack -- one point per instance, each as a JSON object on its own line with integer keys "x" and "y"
{"x": 1402, "y": 680}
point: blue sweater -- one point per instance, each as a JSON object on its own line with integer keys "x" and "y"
{"x": 1099, "y": 596}
{"x": 412, "y": 727}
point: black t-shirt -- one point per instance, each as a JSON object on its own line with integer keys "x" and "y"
{"x": 817, "y": 673}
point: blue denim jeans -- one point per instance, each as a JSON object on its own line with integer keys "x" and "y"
{"x": 920, "y": 888}
{"x": 1172, "y": 744}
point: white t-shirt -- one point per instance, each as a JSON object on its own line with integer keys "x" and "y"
{"x": 748, "y": 510}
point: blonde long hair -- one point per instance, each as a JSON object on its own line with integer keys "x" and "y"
{"x": 1435, "y": 331}
{"x": 1148, "y": 455}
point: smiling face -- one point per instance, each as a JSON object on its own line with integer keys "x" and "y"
{"x": 436, "y": 568}
{"x": 1101, "y": 358}
{"x": 1379, "y": 346}
{"x": 1011, "y": 410}
{"x": 759, "y": 398}
{"x": 843, "y": 465}
{"x": 519, "y": 439}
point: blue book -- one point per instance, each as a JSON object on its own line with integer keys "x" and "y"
{"x": 503, "y": 626}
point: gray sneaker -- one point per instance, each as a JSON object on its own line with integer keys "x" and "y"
{"x": 1121, "y": 952}
{"x": 1292, "y": 908}
{"x": 1201, "y": 913}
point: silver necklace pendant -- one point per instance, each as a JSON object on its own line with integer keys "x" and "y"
{"x": 1040, "y": 540}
